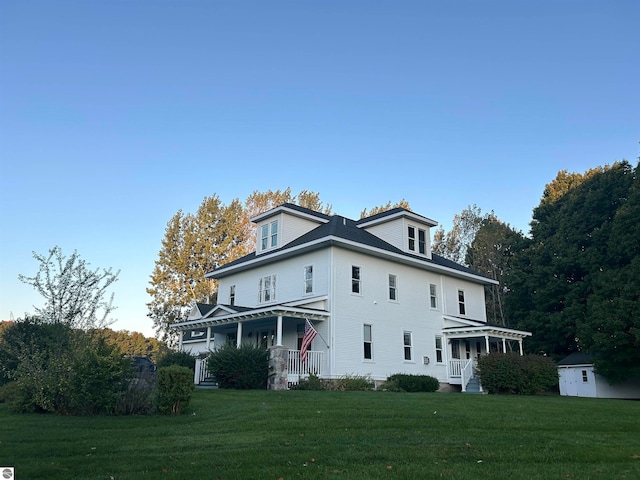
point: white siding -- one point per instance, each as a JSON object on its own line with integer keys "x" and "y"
{"x": 289, "y": 280}
{"x": 388, "y": 319}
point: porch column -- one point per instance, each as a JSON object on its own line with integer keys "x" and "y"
{"x": 486, "y": 342}
{"x": 279, "y": 332}
{"x": 239, "y": 335}
{"x": 181, "y": 334}
{"x": 208, "y": 338}
{"x": 504, "y": 345}
{"x": 520, "y": 345}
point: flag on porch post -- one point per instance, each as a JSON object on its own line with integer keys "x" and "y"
{"x": 309, "y": 334}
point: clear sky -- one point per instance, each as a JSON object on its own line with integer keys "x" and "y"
{"x": 116, "y": 114}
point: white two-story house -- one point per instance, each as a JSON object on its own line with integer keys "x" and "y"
{"x": 380, "y": 301}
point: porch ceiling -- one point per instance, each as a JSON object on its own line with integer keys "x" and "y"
{"x": 255, "y": 314}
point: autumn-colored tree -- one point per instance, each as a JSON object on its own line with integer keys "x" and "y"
{"x": 384, "y": 208}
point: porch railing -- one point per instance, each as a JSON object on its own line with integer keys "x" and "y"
{"x": 299, "y": 368}
{"x": 462, "y": 369}
{"x": 201, "y": 372}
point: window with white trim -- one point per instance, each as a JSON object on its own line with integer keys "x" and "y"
{"x": 367, "y": 342}
{"x": 393, "y": 287}
{"x": 433, "y": 296}
{"x": 269, "y": 235}
{"x": 461, "y": 305}
{"x": 439, "y": 349}
{"x": 267, "y": 289}
{"x": 420, "y": 240}
{"x": 408, "y": 346}
{"x": 232, "y": 295}
{"x": 355, "y": 280}
{"x": 308, "y": 279}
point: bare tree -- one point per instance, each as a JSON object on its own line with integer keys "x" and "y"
{"x": 74, "y": 294}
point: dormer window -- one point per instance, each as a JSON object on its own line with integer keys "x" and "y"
{"x": 417, "y": 238}
{"x": 269, "y": 235}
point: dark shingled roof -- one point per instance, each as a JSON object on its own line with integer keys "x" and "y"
{"x": 577, "y": 358}
{"x": 347, "y": 229}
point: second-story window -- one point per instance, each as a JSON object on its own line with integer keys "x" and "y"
{"x": 461, "y": 306}
{"x": 355, "y": 280}
{"x": 433, "y": 296}
{"x": 308, "y": 279}
{"x": 232, "y": 295}
{"x": 393, "y": 287}
{"x": 267, "y": 289}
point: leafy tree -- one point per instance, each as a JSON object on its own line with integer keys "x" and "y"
{"x": 193, "y": 246}
{"x": 575, "y": 284}
{"x": 135, "y": 343}
{"x": 74, "y": 294}
{"x": 454, "y": 244}
{"x": 384, "y": 208}
{"x": 491, "y": 253}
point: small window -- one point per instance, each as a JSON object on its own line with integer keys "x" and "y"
{"x": 232, "y": 295}
{"x": 422, "y": 241}
{"x": 269, "y": 235}
{"x": 411, "y": 233}
{"x": 267, "y": 289}
{"x": 439, "y": 349}
{"x": 408, "y": 355}
{"x": 393, "y": 287}
{"x": 308, "y": 279}
{"x": 461, "y": 306}
{"x": 585, "y": 378}
{"x": 433, "y": 296}
{"x": 274, "y": 234}
{"x": 367, "y": 342}
{"x": 355, "y": 280}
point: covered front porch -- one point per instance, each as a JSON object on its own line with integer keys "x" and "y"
{"x": 279, "y": 328}
{"x": 467, "y": 340}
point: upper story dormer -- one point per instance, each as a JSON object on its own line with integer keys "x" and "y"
{"x": 282, "y": 224}
{"x": 403, "y": 229}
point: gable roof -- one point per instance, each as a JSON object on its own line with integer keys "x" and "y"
{"x": 344, "y": 232}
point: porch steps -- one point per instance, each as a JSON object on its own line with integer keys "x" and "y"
{"x": 208, "y": 382}
{"x": 473, "y": 386}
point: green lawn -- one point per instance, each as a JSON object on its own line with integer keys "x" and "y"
{"x": 306, "y": 434}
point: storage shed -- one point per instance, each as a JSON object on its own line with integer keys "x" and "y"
{"x": 578, "y": 379}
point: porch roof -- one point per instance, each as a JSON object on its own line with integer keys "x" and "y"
{"x": 473, "y": 328}
{"x": 224, "y": 314}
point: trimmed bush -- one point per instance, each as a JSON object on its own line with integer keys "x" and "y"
{"x": 403, "y": 382}
{"x": 350, "y": 383}
{"x": 515, "y": 374}
{"x": 184, "y": 359}
{"x": 174, "y": 386}
{"x": 244, "y": 368}
{"x": 312, "y": 382}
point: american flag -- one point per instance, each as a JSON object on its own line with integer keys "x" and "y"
{"x": 309, "y": 334}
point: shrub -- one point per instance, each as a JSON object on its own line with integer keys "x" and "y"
{"x": 243, "y": 368}
{"x": 174, "y": 386}
{"x": 184, "y": 359}
{"x": 54, "y": 368}
{"x": 403, "y": 382}
{"x": 351, "y": 383}
{"x": 312, "y": 382}
{"x": 515, "y": 374}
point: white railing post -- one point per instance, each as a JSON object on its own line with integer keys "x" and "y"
{"x": 196, "y": 373}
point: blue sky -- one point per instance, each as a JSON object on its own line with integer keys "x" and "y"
{"x": 116, "y": 114}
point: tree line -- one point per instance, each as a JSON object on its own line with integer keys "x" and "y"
{"x": 574, "y": 281}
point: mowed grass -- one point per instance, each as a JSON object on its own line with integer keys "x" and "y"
{"x": 343, "y": 435}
